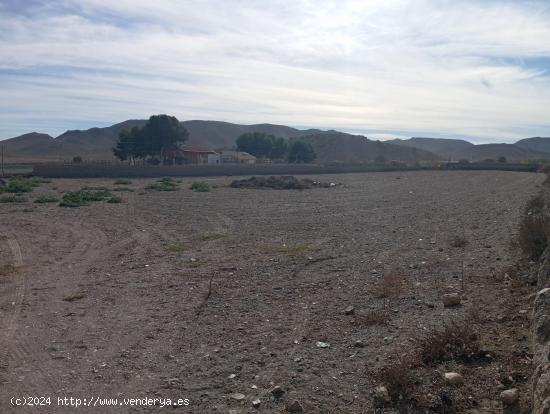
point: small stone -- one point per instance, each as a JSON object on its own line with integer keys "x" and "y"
{"x": 381, "y": 394}
{"x": 232, "y": 376}
{"x": 350, "y": 310}
{"x": 454, "y": 378}
{"x": 277, "y": 392}
{"x": 510, "y": 397}
{"x": 359, "y": 344}
{"x": 320, "y": 344}
{"x": 238, "y": 396}
{"x": 256, "y": 403}
{"x": 451, "y": 299}
{"x": 295, "y": 407}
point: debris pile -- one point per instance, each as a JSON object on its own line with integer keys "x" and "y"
{"x": 284, "y": 182}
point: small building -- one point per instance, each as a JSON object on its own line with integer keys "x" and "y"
{"x": 199, "y": 155}
{"x": 236, "y": 157}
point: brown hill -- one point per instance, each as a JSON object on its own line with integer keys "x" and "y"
{"x": 97, "y": 143}
{"x": 216, "y": 134}
{"x": 445, "y": 148}
{"x": 454, "y": 149}
{"x": 28, "y": 147}
{"x": 511, "y": 152}
{"x": 347, "y": 148}
{"x": 539, "y": 144}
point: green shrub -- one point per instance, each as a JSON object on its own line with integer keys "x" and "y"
{"x": 115, "y": 200}
{"x": 200, "y": 186}
{"x": 164, "y": 184}
{"x": 128, "y": 189}
{"x": 83, "y": 196}
{"x": 72, "y": 199}
{"x": 19, "y": 185}
{"x": 23, "y": 184}
{"x": 123, "y": 182}
{"x": 46, "y": 199}
{"x": 12, "y": 199}
{"x": 95, "y": 193}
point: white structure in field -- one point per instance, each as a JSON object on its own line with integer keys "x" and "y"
{"x": 236, "y": 157}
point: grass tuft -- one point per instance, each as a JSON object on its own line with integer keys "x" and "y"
{"x": 293, "y": 249}
{"x": 175, "y": 248}
{"x": 12, "y": 199}
{"x": 200, "y": 186}
{"x": 389, "y": 286}
{"x": 164, "y": 184}
{"x": 7, "y": 269}
{"x": 114, "y": 200}
{"x": 454, "y": 340}
{"x": 73, "y": 297}
{"x": 46, "y": 199}
{"x": 397, "y": 377}
{"x": 211, "y": 236}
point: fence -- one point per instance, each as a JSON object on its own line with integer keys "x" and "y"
{"x": 91, "y": 170}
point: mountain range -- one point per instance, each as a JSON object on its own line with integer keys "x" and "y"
{"x": 330, "y": 146}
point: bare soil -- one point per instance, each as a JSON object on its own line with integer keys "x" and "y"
{"x": 203, "y": 295}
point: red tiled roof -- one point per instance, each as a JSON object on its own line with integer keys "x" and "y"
{"x": 196, "y": 149}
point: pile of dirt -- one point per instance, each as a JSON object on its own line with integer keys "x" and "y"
{"x": 284, "y": 182}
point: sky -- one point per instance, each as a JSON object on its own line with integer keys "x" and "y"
{"x": 395, "y": 68}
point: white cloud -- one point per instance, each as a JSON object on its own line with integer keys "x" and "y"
{"x": 432, "y": 66}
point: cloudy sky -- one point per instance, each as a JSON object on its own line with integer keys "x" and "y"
{"x": 450, "y": 68}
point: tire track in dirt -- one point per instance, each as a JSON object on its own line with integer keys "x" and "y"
{"x": 24, "y": 352}
{"x": 15, "y": 350}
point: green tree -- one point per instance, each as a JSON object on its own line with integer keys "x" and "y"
{"x": 279, "y": 148}
{"x": 126, "y": 145}
{"x": 262, "y": 145}
{"x": 159, "y": 138}
{"x": 301, "y": 152}
{"x": 502, "y": 159}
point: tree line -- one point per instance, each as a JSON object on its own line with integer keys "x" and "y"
{"x": 159, "y": 140}
{"x": 267, "y": 146}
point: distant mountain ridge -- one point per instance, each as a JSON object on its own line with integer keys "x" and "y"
{"x": 455, "y": 149}
{"x": 97, "y": 143}
{"x": 336, "y": 146}
{"x": 330, "y": 146}
{"x": 445, "y": 148}
{"x": 539, "y": 144}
